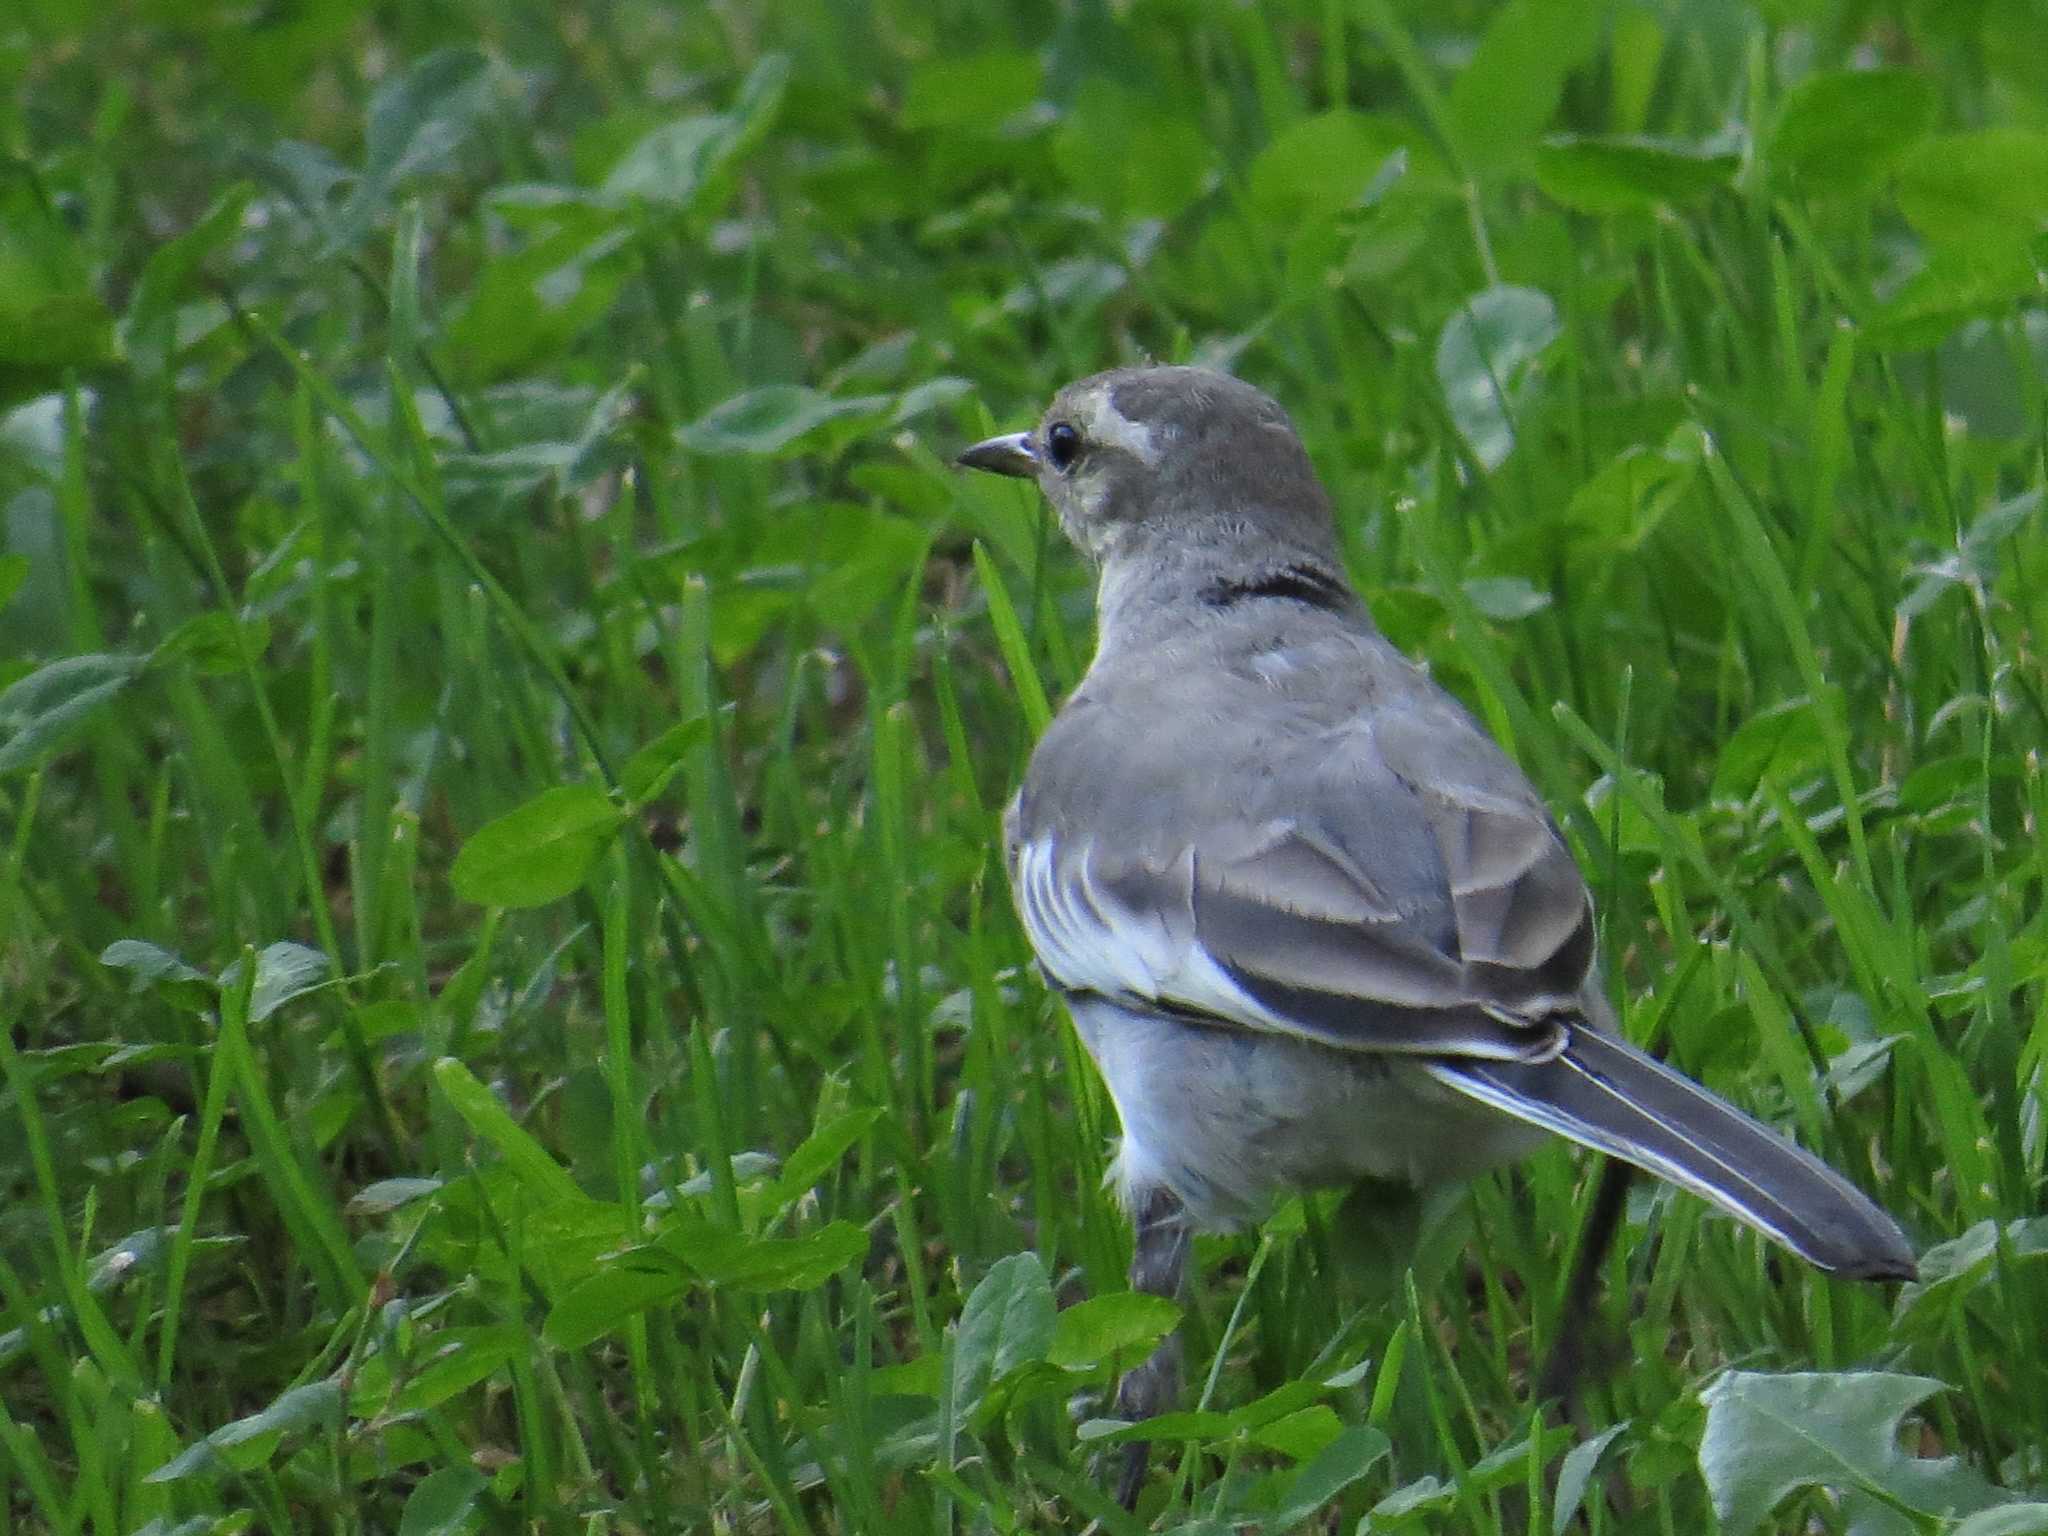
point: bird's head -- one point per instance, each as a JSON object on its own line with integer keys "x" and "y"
{"x": 1137, "y": 456}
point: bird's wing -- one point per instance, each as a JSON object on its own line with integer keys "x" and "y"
{"x": 1372, "y": 911}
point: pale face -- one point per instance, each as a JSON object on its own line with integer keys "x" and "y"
{"x": 1162, "y": 448}
{"x": 1094, "y": 461}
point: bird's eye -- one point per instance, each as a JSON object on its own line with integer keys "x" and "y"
{"x": 1062, "y": 445}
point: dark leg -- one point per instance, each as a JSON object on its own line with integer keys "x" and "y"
{"x": 1559, "y": 1380}
{"x": 1158, "y": 1260}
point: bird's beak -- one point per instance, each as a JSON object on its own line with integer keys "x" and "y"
{"x": 1011, "y": 454}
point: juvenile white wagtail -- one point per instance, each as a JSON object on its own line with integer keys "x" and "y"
{"x": 1312, "y": 924}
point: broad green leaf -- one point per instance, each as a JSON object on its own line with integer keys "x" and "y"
{"x": 648, "y": 770}
{"x": 283, "y": 971}
{"x": 1341, "y": 1460}
{"x": 1485, "y": 359}
{"x": 1634, "y": 829}
{"x": 2030, "y": 1519}
{"x": 1611, "y": 175}
{"x": 1123, "y": 1326}
{"x": 213, "y": 642}
{"x": 771, "y": 420}
{"x": 166, "y": 278}
{"x": 1506, "y": 1465}
{"x": 1786, "y": 742}
{"x": 750, "y": 1263}
{"x": 975, "y": 92}
{"x": 1508, "y": 92}
{"x": 418, "y": 118}
{"x": 527, "y": 1158}
{"x": 1506, "y": 598}
{"x": 758, "y": 99}
{"x": 145, "y": 1252}
{"x": 862, "y": 564}
{"x": 1975, "y": 559}
{"x": 1841, "y": 130}
{"x": 820, "y": 1153}
{"x": 540, "y": 852}
{"x": 1067, "y": 287}
{"x": 416, "y": 122}
{"x": 444, "y": 1502}
{"x": 1950, "y": 1271}
{"x": 565, "y": 1239}
{"x": 149, "y": 965}
{"x": 1634, "y": 58}
{"x": 748, "y": 1168}
{"x": 1426, "y": 1492}
{"x": 1350, "y": 1376}
{"x": 1124, "y": 152}
{"x": 530, "y": 304}
{"x": 1288, "y": 1398}
{"x": 1184, "y": 1424}
{"x": 13, "y": 572}
{"x": 622, "y": 1287}
{"x": 1575, "y": 1476}
{"x": 52, "y": 319}
{"x": 248, "y": 1442}
{"x": 1769, "y": 1436}
{"x": 1958, "y": 283}
{"x": 1321, "y": 166}
{"x": 1301, "y": 1434}
{"x": 1986, "y": 188}
{"x": 920, "y": 1376}
{"x": 462, "y": 1357}
{"x": 388, "y": 1195}
{"x": 1621, "y": 506}
{"x": 932, "y": 394}
{"x": 682, "y": 164}
{"x": 385, "y": 1019}
{"x": 672, "y": 163}
{"x": 1006, "y": 1321}
{"x": 42, "y": 711}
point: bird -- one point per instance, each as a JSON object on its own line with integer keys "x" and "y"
{"x": 1312, "y": 924}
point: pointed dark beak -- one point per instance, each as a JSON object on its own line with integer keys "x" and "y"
{"x": 1011, "y": 454}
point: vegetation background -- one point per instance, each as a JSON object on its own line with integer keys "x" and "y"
{"x": 512, "y": 1018}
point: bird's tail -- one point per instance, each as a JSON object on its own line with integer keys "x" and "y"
{"x": 1603, "y": 1092}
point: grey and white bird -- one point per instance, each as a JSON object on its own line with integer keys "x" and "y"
{"x": 1312, "y": 924}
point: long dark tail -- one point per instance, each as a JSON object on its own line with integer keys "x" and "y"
{"x": 1603, "y": 1092}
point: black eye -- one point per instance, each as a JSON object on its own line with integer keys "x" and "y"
{"x": 1062, "y": 445}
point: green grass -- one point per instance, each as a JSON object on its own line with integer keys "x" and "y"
{"x": 421, "y": 416}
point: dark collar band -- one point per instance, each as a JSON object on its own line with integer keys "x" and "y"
{"x": 1300, "y": 583}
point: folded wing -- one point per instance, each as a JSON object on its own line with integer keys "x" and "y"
{"x": 1373, "y": 914}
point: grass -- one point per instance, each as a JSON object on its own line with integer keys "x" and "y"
{"x": 512, "y": 1014}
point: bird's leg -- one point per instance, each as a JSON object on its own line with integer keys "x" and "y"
{"x": 1158, "y": 1261}
{"x": 1560, "y": 1378}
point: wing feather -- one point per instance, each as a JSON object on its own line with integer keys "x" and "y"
{"x": 1385, "y": 882}
{"x": 1171, "y": 938}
